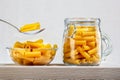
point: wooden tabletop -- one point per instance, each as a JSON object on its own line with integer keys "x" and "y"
{"x": 58, "y": 71}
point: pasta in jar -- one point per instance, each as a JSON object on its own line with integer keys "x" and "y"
{"x": 81, "y": 45}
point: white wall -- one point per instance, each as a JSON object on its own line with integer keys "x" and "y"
{"x": 51, "y": 14}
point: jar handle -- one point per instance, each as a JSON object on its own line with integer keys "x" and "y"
{"x": 108, "y": 44}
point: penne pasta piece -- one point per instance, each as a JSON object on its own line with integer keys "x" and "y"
{"x": 35, "y": 45}
{"x": 85, "y": 47}
{"x": 97, "y": 55}
{"x": 77, "y": 37}
{"x": 80, "y": 42}
{"x": 92, "y": 44}
{"x": 32, "y": 54}
{"x": 95, "y": 59}
{"x": 30, "y": 27}
{"x": 47, "y": 46}
{"x": 71, "y": 61}
{"x": 20, "y": 52}
{"x": 70, "y": 30}
{"x": 19, "y": 45}
{"x": 93, "y": 51}
{"x": 85, "y": 28}
{"x": 89, "y": 38}
{"x": 91, "y": 33}
{"x": 86, "y": 55}
{"x": 78, "y": 32}
{"x": 71, "y": 54}
{"x": 78, "y": 56}
{"x": 83, "y": 53}
{"x": 47, "y": 54}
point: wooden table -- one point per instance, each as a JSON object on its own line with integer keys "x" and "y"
{"x": 58, "y": 72}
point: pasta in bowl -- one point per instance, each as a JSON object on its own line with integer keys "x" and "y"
{"x": 32, "y": 53}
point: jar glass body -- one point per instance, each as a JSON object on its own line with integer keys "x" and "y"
{"x": 82, "y": 43}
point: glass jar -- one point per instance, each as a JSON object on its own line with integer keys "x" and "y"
{"x": 83, "y": 42}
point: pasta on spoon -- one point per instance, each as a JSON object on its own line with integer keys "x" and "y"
{"x": 29, "y": 29}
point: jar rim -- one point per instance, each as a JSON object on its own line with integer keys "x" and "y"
{"x": 81, "y": 20}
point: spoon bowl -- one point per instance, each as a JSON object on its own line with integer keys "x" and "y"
{"x": 27, "y": 33}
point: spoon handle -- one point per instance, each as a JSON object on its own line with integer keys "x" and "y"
{"x": 9, "y": 24}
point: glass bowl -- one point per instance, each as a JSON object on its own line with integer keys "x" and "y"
{"x": 34, "y": 56}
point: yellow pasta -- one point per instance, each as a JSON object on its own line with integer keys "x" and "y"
{"x": 84, "y": 40}
{"x": 78, "y": 32}
{"x": 83, "y": 61}
{"x": 55, "y": 46}
{"x": 66, "y": 47}
{"x": 35, "y": 44}
{"x": 85, "y": 28}
{"x": 77, "y": 37}
{"x": 19, "y": 45}
{"x": 54, "y": 51}
{"x": 80, "y": 42}
{"x": 67, "y": 55}
{"x": 28, "y": 59}
{"x": 78, "y": 56}
{"x": 20, "y": 61}
{"x": 71, "y": 61}
{"x": 25, "y": 62}
{"x": 48, "y": 46}
{"x": 89, "y": 38}
{"x": 95, "y": 59}
{"x": 83, "y": 53}
{"x": 85, "y": 47}
{"x": 39, "y": 41}
{"x": 93, "y": 51}
{"x": 41, "y": 60}
{"x": 30, "y": 27}
{"x": 20, "y": 52}
{"x": 32, "y": 54}
{"x": 71, "y": 30}
{"x": 97, "y": 55}
{"x": 86, "y": 55}
{"x": 92, "y": 44}
{"x": 73, "y": 53}
{"x": 67, "y": 44}
{"x": 47, "y": 54}
{"x": 91, "y": 33}
{"x": 65, "y": 50}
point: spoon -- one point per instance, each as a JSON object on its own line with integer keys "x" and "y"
{"x": 28, "y": 33}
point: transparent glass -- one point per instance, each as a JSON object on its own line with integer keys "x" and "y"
{"x": 83, "y": 42}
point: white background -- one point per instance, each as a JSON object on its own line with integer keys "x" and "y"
{"x": 51, "y": 15}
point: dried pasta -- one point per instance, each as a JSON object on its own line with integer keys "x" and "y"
{"x": 30, "y": 27}
{"x": 85, "y": 41}
{"x": 33, "y": 52}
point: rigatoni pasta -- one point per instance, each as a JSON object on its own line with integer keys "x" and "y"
{"x": 81, "y": 47}
{"x": 30, "y": 27}
{"x": 33, "y": 52}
